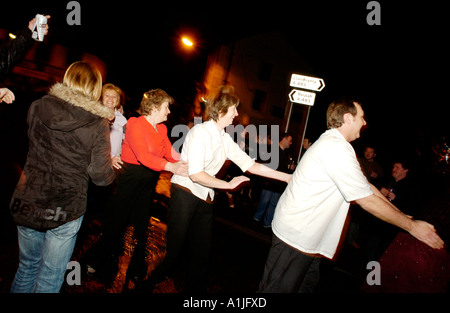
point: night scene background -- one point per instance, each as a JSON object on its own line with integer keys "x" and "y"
{"x": 398, "y": 70}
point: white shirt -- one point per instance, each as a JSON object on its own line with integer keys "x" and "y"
{"x": 311, "y": 212}
{"x": 117, "y": 134}
{"x": 206, "y": 149}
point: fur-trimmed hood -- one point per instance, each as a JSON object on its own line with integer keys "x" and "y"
{"x": 69, "y": 144}
{"x": 66, "y": 114}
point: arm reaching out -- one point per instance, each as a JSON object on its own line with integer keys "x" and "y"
{"x": 379, "y": 206}
{"x": 262, "y": 170}
{"x": 209, "y": 181}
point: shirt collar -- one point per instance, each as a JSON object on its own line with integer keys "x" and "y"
{"x": 213, "y": 128}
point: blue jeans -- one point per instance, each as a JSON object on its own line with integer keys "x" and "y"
{"x": 267, "y": 204}
{"x": 43, "y": 257}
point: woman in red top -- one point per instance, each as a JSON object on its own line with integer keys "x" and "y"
{"x": 146, "y": 151}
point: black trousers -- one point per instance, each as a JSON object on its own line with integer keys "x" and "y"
{"x": 287, "y": 270}
{"x": 130, "y": 204}
{"x": 189, "y": 221}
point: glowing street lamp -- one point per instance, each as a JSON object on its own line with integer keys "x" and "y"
{"x": 187, "y": 42}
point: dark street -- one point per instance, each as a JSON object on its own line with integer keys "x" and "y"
{"x": 384, "y": 57}
{"x": 237, "y": 262}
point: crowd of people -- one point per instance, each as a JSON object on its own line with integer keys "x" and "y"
{"x": 78, "y": 134}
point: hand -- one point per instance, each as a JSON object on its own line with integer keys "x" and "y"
{"x": 426, "y": 233}
{"x": 391, "y": 196}
{"x": 117, "y": 162}
{"x": 388, "y": 194}
{"x": 236, "y": 181}
{"x": 6, "y": 95}
{"x": 33, "y": 21}
{"x": 179, "y": 168}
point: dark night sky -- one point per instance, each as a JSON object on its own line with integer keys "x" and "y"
{"x": 398, "y": 70}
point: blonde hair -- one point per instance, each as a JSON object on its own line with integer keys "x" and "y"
{"x": 119, "y": 92}
{"x": 84, "y": 78}
{"x": 220, "y": 102}
{"x": 153, "y": 99}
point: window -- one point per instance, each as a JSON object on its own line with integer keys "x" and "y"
{"x": 258, "y": 100}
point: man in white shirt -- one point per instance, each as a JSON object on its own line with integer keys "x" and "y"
{"x": 310, "y": 214}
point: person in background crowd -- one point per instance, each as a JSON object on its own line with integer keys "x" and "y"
{"x": 305, "y": 144}
{"x": 68, "y": 144}
{"x": 311, "y": 213}
{"x": 370, "y": 167}
{"x": 362, "y": 223}
{"x": 402, "y": 191}
{"x": 112, "y": 98}
{"x": 273, "y": 189}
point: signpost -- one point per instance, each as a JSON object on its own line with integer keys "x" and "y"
{"x": 307, "y": 82}
{"x": 303, "y": 97}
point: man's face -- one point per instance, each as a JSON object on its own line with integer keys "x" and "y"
{"x": 357, "y": 122}
{"x": 399, "y": 172}
{"x": 286, "y": 142}
{"x": 369, "y": 153}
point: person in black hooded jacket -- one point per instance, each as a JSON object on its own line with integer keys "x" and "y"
{"x": 68, "y": 144}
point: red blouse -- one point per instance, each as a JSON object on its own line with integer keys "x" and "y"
{"x": 147, "y": 146}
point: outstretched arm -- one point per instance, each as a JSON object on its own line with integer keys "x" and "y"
{"x": 380, "y": 207}
{"x": 262, "y": 170}
{"x": 209, "y": 181}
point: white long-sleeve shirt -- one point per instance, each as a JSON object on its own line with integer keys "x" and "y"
{"x": 206, "y": 149}
{"x": 117, "y": 134}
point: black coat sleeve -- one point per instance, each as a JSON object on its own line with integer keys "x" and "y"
{"x": 14, "y": 51}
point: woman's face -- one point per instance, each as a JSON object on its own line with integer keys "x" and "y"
{"x": 110, "y": 99}
{"x": 162, "y": 113}
{"x": 227, "y": 119}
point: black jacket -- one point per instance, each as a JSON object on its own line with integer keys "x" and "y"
{"x": 11, "y": 53}
{"x": 69, "y": 143}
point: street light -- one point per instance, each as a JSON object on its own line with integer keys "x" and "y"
{"x": 187, "y": 42}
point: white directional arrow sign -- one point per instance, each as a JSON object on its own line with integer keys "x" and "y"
{"x": 306, "y": 82}
{"x": 302, "y": 97}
